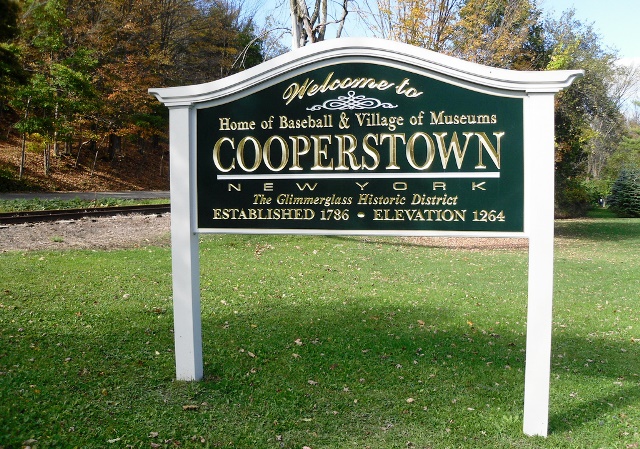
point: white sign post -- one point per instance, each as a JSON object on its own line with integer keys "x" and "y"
{"x": 381, "y": 61}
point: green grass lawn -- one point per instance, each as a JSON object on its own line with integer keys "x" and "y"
{"x": 324, "y": 342}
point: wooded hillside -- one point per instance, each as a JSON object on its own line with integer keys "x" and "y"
{"x": 74, "y": 77}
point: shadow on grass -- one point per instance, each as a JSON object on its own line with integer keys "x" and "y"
{"x": 363, "y": 369}
{"x": 601, "y": 411}
{"x": 602, "y": 230}
{"x": 385, "y": 356}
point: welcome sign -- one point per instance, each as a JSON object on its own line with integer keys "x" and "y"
{"x": 364, "y": 136}
{"x": 361, "y": 147}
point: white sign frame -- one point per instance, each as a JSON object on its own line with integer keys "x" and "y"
{"x": 537, "y": 89}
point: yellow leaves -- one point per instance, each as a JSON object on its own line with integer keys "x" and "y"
{"x": 563, "y": 55}
{"x": 190, "y": 407}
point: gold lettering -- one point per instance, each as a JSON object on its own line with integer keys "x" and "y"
{"x": 266, "y": 153}
{"x": 393, "y": 149}
{"x": 320, "y": 152}
{"x": 493, "y": 152}
{"x": 216, "y": 154}
{"x": 347, "y": 150}
{"x": 371, "y": 152}
{"x": 410, "y": 150}
{"x": 240, "y": 154}
{"x": 454, "y": 145}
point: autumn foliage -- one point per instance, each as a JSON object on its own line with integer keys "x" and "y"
{"x": 75, "y": 74}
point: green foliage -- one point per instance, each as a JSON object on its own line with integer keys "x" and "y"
{"x": 597, "y": 190}
{"x": 627, "y": 154}
{"x": 572, "y": 198}
{"x": 512, "y": 34}
{"x": 322, "y": 342}
{"x": 583, "y": 111}
{"x": 61, "y": 85}
{"x": 11, "y": 71}
{"x": 625, "y": 194}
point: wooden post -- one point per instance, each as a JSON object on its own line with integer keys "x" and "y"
{"x": 539, "y": 210}
{"x": 184, "y": 249}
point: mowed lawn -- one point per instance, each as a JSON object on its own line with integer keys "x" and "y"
{"x": 321, "y": 342}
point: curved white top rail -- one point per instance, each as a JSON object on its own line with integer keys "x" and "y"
{"x": 377, "y": 51}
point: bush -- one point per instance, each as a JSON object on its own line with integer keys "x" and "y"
{"x": 597, "y": 190}
{"x": 625, "y": 194}
{"x": 572, "y": 199}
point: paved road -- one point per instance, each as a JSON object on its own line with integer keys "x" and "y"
{"x": 84, "y": 195}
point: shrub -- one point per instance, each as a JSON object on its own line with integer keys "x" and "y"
{"x": 572, "y": 199}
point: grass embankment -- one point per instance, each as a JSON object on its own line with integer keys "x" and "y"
{"x": 320, "y": 342}
{"x": 24, "y": 205}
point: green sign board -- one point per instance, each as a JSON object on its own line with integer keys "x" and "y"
{"x": 361, "y": 147}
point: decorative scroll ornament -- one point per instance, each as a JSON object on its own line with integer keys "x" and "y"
{"x": 351, "y": 102}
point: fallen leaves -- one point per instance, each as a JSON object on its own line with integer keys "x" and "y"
{"x": 190, "y": 407}
{"x": 249, "y": 353}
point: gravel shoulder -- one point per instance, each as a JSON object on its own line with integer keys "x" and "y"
{"x": 131, "y": 231}
{"x": 123, "y": 231}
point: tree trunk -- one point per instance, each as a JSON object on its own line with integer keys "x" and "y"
{"x": 56, "y": 145}
{"x": 47, "y": 158}
{"x": 95, "y": 158}
{"x": 23, "y": 155}
{"x": 114, "y": 145}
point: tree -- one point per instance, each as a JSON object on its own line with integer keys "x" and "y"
{"x": 423, "y": 23}
{"x": 625, "y": 193}
{"x": 8, "y": 20}
{"x": 91, "y": 62}
{"x": 588, "y": 119}
{"x": 499, "y": 33}
{"x": 309, "y": 27}
{"x": 627, "y": 154}
{"x": 493, "y": 32}
{"x": 60, "y": 83}
{"x": 11, "y": 72}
